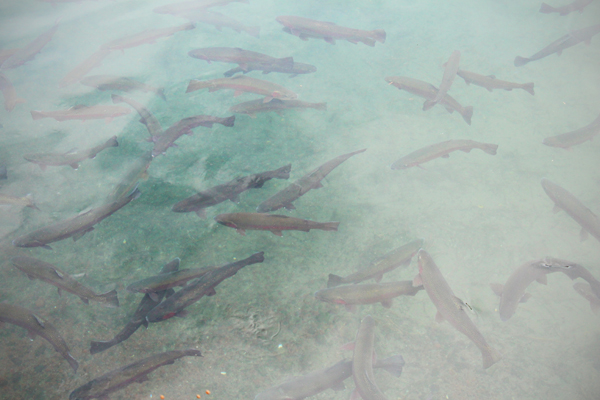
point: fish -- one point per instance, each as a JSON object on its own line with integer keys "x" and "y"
{"x": 368, "y": 293}
{"x": 36, "y": 325}
{"x": 83, "y": 112}
{"x": 563, "y": 200}
{"x": 239, "y": 56}
{"x": 146, "y": 117}
{"x": 398, "y": 257}
{"x": 428, "y": 91}
{"x": 362, "y": 361}
{"x": 163, "y": 282}
{"x": 26, "y": 201}
{"x": 490, "y": 82}
{"x": 5, "y": 54}
{"x": 184, "y": 127}
{"x": 574, "y": 271}
{"x": 241, "y": 84}
{"x": 312, "y": 180}
{"x": 11, "y": 99}
{"x": 585, "y": 291}
{"x": 252, "y": 107}
{"x": 569, "y": 40}
{"x": 139, "y": 316}
{"x": 28, "y": 53}
{"x": 71, "y": 158}
{"x": 82, "y": 69}
{"x": 3, "y": 173}
{"x": 74, "y": 227}
{"x": 578, "y": 136}
{"x": 204, "y": 286}
{"x": 442, "y": 149}
{"x": 513, "y": 291}
{"x": 270, "y": 222}
{"x": 137, "y": 170}
{"x": 577, "y": 5}
{"x": 219, "y": 21}
{"x": 111, "y": 82}
{"x": 451, "y": 308}
{"x": 149, "y": 36}
{"x": 184, "y": 6}
{"x": 301, "y": 387}
{"x": 119, "y": 378}
{"x": 306, "y": 28}
{"x": 228, "y": 191}
{"x": 46, "y": 272}
{"x": 450, "y": 70}
{"x": 296, "y": 69}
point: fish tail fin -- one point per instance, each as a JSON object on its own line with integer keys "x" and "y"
{"x": 467, "y": 114}
{"x": 490, "y": 356}
{"x": 109, "y": 299}
{"x": 428, "y": 104}
{"x": 253, "y": 31}
{"x": 547, "y": 9}
{"x": 334, "y": 280}
{"x": 197, "y": 85}
{"x": 283, "y": 172}
{"x": 329, "y": 226}
{"x": 31, "y": 204}
{"x": 490, "y": 148}
{"x": 116, "y": 99}
{"x": 286, "y": 62}
{"x": 520, "y": 61}
{"x": 98, "y": 347}
{"x": 229, "y": 121}
{"x": 528, "y": 87}
{"x": 72, "y": 362}
{"x": 379, "y": 35}
{"x": 36, "y": 115}
{"x": 320, "y": 106}
{"x": 112, "y": 142}
{"x": 392, "y": 365}
{"x": 160, "y": 92}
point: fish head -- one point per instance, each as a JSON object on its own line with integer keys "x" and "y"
{"x": 283, "y": 20}
{"x": 284, "y": 95}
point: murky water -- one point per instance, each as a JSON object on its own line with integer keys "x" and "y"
{"x": 481, "y": 216}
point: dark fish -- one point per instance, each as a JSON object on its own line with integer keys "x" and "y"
{"x": 571, "y": 39}
{"x": 146, "y": 117}
{"x": 362, "y": 361}
{"x": 163, "y": 282}
{"x": 134, "y": 174}
{"x": 35, "y": 325}
{"x": 11, "y": 99}
{"x": 270, "y": 222}
{"x": 301, "y": 387}
{"x": 585, "y": 290}
{"x": 3, "y": 173}
{"x": 574, "y": 271}
{"x": 219, "y": 21}
{"x": 590, "y": 223}
{"x": 577, "y": 5}
{"x": 241, "y": 84}
{"x": 72, "y": 158}
{"x": 184, "y": 6}
{"x": 184, "y": 127}
{"x": 204, "y": 286}
{"x": 74, "y": 227}
{"x": 368, "y": 293}
{"x": 253, "y": 107}
{"x": 101, "y": 387}
{"x": 77, "y": 73}
{"x": 28, "y": 53}
{"x": 5, "y": 54}
{"x": 312, "y": 180}
{"x": 442, "y": 149}
{"x": 578, "y": 136}
{"x": 229, "y": 191}
{"x": 428, "y": 91}
{"x": 400, "y": 256}
{"x": 148, "y": 36}
{"x": 306, "y": 28}
{"x": 513, "y": 291}
{"x": 110, "y": 82}
{"x": 84, "y": 113}
{"x": 295, "y": 70}
{"x": 490, "y": 82}
{"x": 450, "y": 70}
{"x": 450, "y": 307}
{"x": 26, "y": 201}
{"x": 37, "y": 269}
{"x": 139, "y": 316}
{"x": 242, "y": 57}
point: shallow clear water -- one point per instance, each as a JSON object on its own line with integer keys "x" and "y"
{"x": 481, "y": 216}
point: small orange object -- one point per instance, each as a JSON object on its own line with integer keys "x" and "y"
{"x": 208, "y": 392}
{"x": 198, "y": 396}
{"x": 162, "y": 397}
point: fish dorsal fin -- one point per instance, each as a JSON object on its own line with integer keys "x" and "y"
{"x": 237, "y": 77}
{"x": 39, "y": 320}
{"x": 60, "y": 274}
{"x": 492, "y": 76}
{"x": 71, "y": 151}
{"x": 85, "y": 210}
{"x": 78, "y": 107}
{"x": 329, "y": 23}
{"x": 276, "y": 215}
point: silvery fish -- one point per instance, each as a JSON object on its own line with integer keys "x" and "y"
{"x": 111, "y": 82}
{"x": 71, "y": 158}
{"x": 271, "y": 222}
